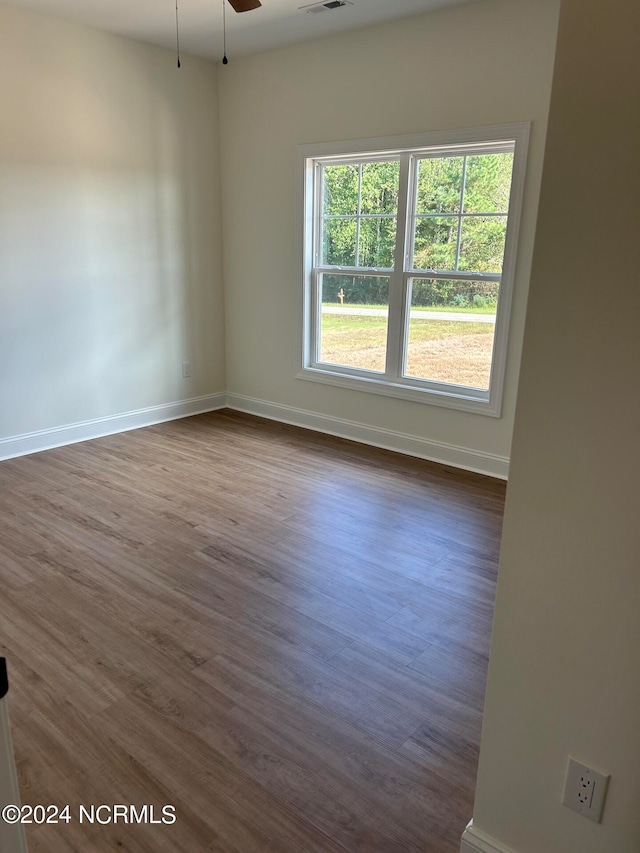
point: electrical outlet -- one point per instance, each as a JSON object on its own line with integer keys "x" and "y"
{"x": 186, "y": 369}
{"x": 585, "y": 789}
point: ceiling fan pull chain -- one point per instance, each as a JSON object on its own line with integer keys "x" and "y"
{"x": 225, "y": 61}
{"x": 177, "y": 34}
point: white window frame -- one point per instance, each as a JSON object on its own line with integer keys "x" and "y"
{"x": 407, "y": 148}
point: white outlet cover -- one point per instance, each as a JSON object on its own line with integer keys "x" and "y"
{"x": 585, "y": 789}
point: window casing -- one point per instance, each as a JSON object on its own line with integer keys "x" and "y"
{"x": 399, "y": 235}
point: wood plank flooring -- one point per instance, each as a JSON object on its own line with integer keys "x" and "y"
{"x": 282, "y": 634}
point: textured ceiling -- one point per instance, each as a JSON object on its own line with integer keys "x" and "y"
{"x": 278, "y": 22}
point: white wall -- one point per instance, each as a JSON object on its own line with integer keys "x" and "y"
{"x": 485, "y": 63}
{"x": 110, "y": 238}
{"x": 564, "y": 674}
{"x": 110, "y": 272}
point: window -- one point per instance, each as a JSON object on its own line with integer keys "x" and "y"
{"x": 409, "y": 254}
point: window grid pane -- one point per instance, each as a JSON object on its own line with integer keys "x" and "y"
{"x": 487, "y": 183}
{"x": 450, "y": 331}
{"x": 482, "y": 243}
{"x": 483, "y": 250}
{"x": 359, "y": 214}
{"x": 354, "y": 321}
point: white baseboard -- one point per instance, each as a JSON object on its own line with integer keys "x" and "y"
{"x": 475, "y": 841}
{"x": 434, "y": 451}
{"x": 33, "y": 442}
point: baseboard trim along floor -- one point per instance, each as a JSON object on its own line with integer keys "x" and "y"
{"x": 47, "y": 439}
{"x": 410, "y": 445}
{"x": 475, "y": 841}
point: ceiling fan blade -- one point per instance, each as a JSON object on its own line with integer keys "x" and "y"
{"x": 245, "y": 5}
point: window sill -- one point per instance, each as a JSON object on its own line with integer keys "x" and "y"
{"x": 468, "y": 400}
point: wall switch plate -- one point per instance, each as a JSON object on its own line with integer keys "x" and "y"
{"x": 585, "y": 789}
{"x": 186, "y": 369}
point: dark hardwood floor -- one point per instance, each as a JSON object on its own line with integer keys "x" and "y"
{"x": 282, "y": 634}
